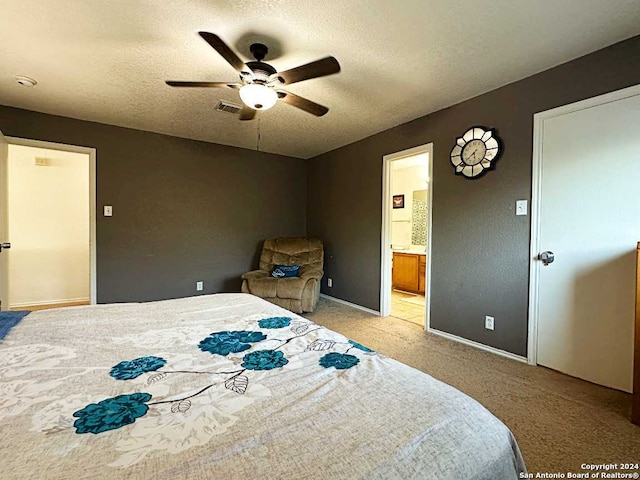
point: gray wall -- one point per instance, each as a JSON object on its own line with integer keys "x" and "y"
{"x": 183, "y": 210}
{"x": 480, "y": 253}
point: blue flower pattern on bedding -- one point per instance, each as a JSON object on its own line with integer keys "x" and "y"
{"x": 359, "y": 346}
{"x": 341, "y": 361}
{"x": 224, "y": 343}
{"x": 274, "y": 322}
{"x": 117, "y": 412}
{"x": 129, "y": 369}
{"x": 111, "y": 413}
{"x": 264, "y": 360}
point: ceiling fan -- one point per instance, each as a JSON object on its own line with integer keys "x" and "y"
{"x": 260, "y": 83}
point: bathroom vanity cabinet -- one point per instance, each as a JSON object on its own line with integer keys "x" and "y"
{"x": 409, "y": 272}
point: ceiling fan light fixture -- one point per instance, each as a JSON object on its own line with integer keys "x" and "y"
{"x": 258, "y": 97}
{"x": 260, "y": 83}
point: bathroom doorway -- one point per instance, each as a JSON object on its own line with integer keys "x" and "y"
{"x": 405, "y": 235}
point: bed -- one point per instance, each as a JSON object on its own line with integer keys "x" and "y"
{"x": 228, "y": 386}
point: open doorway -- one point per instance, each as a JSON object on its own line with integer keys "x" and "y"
{"x": 50, "y": 224}
{"x": 406, "y": 245}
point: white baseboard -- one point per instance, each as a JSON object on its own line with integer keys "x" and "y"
{"x": 49, "y": 302}
{"x": 352, "y": 305}
{"x": 481, "y": 346}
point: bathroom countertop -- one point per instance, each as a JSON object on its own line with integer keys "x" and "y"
{"x": 409, "y": 251}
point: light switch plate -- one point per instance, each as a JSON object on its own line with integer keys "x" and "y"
{"x": 108, "y": 211}
{"x": 521, "y": 207}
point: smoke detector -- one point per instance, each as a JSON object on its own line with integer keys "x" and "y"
{"x": 26, "y": 81}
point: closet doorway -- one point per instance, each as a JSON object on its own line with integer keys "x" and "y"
{"x": 406, "y": 239}
{"x": 586, "y": 220}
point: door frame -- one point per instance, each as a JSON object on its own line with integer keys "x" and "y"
{"x": 385, "y": 253}
{"x": 4, "y": 195}
{"x": 25, "y": 142}
{"x": 536, "y": 201}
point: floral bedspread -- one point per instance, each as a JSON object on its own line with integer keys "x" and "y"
{"x": 227, "y": 386}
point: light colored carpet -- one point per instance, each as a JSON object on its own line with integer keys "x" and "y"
{"x": 559, "y": 421}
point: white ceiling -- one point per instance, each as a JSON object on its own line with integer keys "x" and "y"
{"x": 420, "y": 160}
{"x": 106, "y": 61}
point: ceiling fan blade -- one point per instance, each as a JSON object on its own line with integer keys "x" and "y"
{"x": 302, "y": 103}
{"x": 219, "y": 46}
{"x": 173, "y": 83}
{"x": 319, "y": 68}
{"x": 247, "y": 113}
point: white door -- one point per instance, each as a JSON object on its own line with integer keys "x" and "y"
{"x": 4, "y": 263}
{"x": 589, "y": 194}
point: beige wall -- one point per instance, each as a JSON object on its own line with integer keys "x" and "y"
{"x": 48, "y": 226}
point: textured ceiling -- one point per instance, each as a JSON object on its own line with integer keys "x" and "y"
{"x": 106, "y": 61}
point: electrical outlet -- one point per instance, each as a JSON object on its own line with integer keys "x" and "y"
{"x": 489, "y": 322}
{"x": 329, "y": 282}
{"x": 199, "y": 286}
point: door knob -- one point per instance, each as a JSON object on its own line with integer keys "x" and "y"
{"x": 546, "y": 257}
{"x": 4, "y": 245}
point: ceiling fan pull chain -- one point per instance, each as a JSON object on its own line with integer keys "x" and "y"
{"x": 258, "y": 144}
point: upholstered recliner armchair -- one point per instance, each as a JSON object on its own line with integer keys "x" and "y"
{"x": 298, "y": 294}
